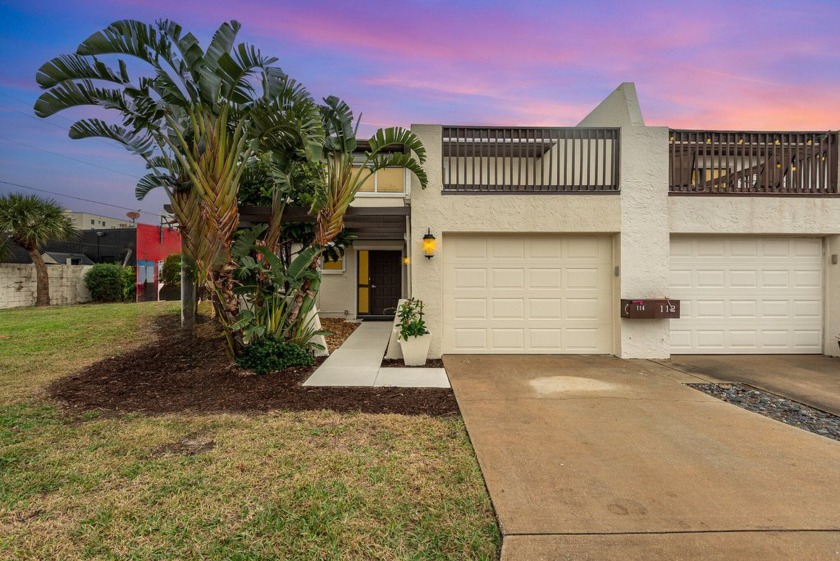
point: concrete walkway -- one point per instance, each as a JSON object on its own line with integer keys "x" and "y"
{"x": 600, "y": 458}
{"x": 357, "y": 363}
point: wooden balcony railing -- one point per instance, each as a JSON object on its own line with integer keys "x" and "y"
{"x": 753, "y": 163}
{"x": 498, "y": 160}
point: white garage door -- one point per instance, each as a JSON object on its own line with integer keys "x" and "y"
{"x": 747, "y": 295}
{"x": 537, "y": 294}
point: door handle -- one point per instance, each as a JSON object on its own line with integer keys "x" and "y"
{"x": 373, "y": 286}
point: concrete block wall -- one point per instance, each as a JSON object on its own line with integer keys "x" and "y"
{"x": 18, "y": 285}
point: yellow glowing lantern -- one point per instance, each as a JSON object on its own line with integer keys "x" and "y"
{"x": 429, "y": 244}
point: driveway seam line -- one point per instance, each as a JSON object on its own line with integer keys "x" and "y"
{"x": 675, "y": 369}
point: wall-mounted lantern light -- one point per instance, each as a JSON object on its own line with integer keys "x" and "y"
{"x": 429, "y": 244}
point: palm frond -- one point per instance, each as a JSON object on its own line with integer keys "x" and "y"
{"x": 150, "y": 182}
{"x": 129, "y": 37}
{"x": 137, "y": 142}
{"x": 397, "y": 136}
{"x": 237, "y": 68}
{"x": 74, "y": 94}
{"x": 338, "y": 125}
{"x": 76, "y": 67}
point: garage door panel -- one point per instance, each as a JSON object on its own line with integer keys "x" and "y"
{"x": 546, "y": 339}
{"x": 468, "y": 278}
{"x": 470, "y": 308}
{"x": 471, "y": 248}
{"x": 543, "y": 294}
{"x": 743, "y": 279}
{"x": 507, "y": 278}
{"x": 507, "y": 339}
{"x": 545, "y": 308}
{"x": 584, "y": 340}
{"x": 545, "y": 278}
{"x": 507, "y": 308}
{"x": 743, "y": 309}
{"x": 747, "y": 295}
{"x": 512, "y": 248}
{"x": 471, "y": 339}
{"x": 807, "y": 279}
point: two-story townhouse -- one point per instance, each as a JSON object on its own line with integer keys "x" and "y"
{"x": 540, "y": 233}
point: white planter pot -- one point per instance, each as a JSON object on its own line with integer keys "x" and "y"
{"x": 416, "y": 349}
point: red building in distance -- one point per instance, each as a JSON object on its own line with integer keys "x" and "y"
{"x": 154, "y": 245}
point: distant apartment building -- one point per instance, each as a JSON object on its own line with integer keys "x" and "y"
{"x": 88, "y": 221}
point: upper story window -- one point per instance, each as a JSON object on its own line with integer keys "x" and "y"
{"x": 387, "y": 181}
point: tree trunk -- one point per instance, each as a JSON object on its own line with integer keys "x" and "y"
{"x": 188, "y": 300}
{"x": 42, "y": 290}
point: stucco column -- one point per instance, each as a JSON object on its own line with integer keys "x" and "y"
{"x": 645, "y": 237}
{"x": 427, "y": 274}
{"x": 832, "y": 295}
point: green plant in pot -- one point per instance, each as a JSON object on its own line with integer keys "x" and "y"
{"x": 414, "y": 338}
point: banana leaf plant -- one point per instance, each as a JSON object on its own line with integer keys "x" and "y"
{"x": 195, "y": 116}
{"x": 344, "y": 171}
{"x": 266, "y": 287}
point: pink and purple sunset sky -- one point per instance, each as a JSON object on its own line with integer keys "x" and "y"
{"x": 716, "y": 64}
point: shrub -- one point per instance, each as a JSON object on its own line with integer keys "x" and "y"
{"x": 129, "y": 284}
{"x": 170, "y": 274}
{"x": 269, "y": 354}
{"x": 106, "y": 282}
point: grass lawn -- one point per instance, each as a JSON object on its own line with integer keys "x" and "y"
{"x": 281, "y": 485}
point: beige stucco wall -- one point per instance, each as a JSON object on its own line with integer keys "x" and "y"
{"x": 753, "y": 215}
{"x": 337, "y": 296}
{"x": 642, "y": 220}
{"x": 447, "y": 214}
{"x": 645, "y": 240}
{"x": 644, "y": 248}
{"x": 18, "y": 285}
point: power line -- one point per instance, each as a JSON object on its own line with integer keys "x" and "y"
{"x": 27, "y": 104}
{"x": 68, "y": 157}
{"x": 48, "y": 122}
{"x": 76, "y": 198}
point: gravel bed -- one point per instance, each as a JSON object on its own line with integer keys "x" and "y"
{"x": 776, "y": 407}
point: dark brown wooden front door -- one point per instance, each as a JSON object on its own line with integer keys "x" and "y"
{"x": 385, "y": 282}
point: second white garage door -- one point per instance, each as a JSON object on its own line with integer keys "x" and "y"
{"x": 531, "y": 294}
{"x": 747, "y": 295}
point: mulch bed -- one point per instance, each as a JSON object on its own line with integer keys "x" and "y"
{"x": 340, "y": 330}
{"x": 186, "y": 372}
{"x": 398, "y": 363}
{"x": 776, "y": 407}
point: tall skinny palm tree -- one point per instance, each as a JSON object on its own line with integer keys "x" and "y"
{"x": 30, "y": 221}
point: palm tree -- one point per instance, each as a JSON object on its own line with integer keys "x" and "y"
{"x": 195, "y": 118}
{"x": 30, "y": 221}
{"x": 343, "y": 174}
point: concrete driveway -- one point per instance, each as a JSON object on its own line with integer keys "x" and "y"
{"x": 602, "y": 458}
{"x": 810, "y": 379}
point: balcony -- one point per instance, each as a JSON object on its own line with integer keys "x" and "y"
{"x": 753, "y": 163}
{"x": 508, "y": 160}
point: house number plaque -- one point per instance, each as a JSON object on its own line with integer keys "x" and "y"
{"x": 650, "y": 309}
